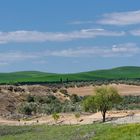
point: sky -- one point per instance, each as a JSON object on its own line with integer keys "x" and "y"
{"x": 68, "y": 36}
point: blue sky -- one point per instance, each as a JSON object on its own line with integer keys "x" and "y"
{"x": 68, "y": 35}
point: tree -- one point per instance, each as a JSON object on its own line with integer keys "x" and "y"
{"x": 105, "y": 98}
{"x": 89, "y": 104}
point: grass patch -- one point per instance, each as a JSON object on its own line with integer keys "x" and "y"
{"x": 119, "y": 132}
{"x": 73, "y": 132}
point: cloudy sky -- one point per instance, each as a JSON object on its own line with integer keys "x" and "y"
{"x": 67, "y": 36}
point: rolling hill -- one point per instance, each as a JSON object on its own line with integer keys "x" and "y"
{"x": 129, "y": 72}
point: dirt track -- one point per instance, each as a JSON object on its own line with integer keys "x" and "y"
{"x": 112, "y": 116}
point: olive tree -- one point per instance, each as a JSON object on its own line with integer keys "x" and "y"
{"x": 105, "y": 98}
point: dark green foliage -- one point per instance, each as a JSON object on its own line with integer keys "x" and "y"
{"x": 75, "y": 98}
{"x": 28, "y": 108}
{"x": 68, "y": 106}
{"x": 30, "y": 98}
{"x": 48, "y": 104}
{"x": 129, "y": 102}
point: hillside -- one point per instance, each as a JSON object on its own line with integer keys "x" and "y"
{"x": 35, "y": 76}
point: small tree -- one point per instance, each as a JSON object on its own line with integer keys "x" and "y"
{"x": 56, "y": 117}
{"x": 105, "y": 98}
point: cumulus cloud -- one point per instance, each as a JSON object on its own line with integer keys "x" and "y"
{"x": 121, "y": 18}
{"x": 35, "y": 36}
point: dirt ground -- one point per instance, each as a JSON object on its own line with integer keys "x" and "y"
{"x": 85, "y": 118}
{"x": 122, "y": 89}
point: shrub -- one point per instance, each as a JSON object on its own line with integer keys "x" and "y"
{"x": 56, "y": 117}
{"x": 64, "y": 91}
{"x": 28, "y": 108}
{"x": 30, "y": 98}
{"x": 75, "y": 98}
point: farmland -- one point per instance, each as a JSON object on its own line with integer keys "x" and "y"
{"x": 120, "y": 73}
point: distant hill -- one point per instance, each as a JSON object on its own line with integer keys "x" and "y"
{"x": 128, "y": 72}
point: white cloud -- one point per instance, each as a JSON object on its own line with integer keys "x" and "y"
{"x": 35, "y": 36}
{"x": 135, "y": 32}
{"x": 121, "y": 18}
{"x": 17, "y": 56}
{"x": 120, "y": 50}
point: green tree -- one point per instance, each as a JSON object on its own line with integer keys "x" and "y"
{"x": 105, "y": 98}
{"x": 89, "y": 104}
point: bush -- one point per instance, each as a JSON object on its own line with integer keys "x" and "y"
{"x": 55, "y": 117}
{"x": 28, "y": 108}
{"x": 129, "y": 102}
{"x": 64, "y": 91}
{"x": 30, "y": 98}
{"x": 75, "y": 98}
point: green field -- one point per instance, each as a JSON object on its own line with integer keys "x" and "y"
{"x": 35, "y": 76}
{"x": 83, "y": 132}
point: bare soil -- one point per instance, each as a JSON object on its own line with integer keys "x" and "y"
{"x": 85, "y": 118}
{"x": 123, "y": 89}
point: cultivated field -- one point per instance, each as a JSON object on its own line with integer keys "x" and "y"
{"x": 120, "y": 73}
{"x": 123, "y": 89}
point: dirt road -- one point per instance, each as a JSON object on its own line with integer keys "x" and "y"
{"x": 112, "y": 116}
